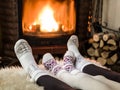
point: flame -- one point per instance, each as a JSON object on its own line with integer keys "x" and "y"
{"x": 48, "y": 16}
{"x": 47, "y": 20}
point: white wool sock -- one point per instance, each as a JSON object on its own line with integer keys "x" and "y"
{"x": 24, "y": 54}
{"x": 72, "y": 45}
{"x": 81, "y": 63}
{"x": 50, "y": 63}
{"x": 68, "y": 60}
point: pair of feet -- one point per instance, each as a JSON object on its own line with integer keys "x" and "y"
{"x": 23, "y": 52}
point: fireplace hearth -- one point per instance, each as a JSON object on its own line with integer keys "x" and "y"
{"x": 14, "y": 27}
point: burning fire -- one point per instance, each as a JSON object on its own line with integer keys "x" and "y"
{"x": 48, "y": 17}
{"x": 46, "y": 20}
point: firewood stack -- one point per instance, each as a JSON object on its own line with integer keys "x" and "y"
{"x": 104, "y": 48}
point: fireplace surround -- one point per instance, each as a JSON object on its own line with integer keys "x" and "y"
{"x": 11, "y": 27}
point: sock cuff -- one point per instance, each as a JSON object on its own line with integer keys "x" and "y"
{"x": 38, "y": 73}
{"x": 84, "y": 66}
{"x": 81, "y": 63}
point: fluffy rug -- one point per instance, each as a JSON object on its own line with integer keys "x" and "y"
{"x": 15, "y": 78}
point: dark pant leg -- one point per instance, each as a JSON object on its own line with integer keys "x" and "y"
{"x": 51, "y": 83}
{"x": 96, "y": 70}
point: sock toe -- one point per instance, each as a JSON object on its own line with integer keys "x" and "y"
{"x": 68, "y": 61}
{"x": 47, "y": 57}
{"x": 73, "y": 40}
{"x": 48, "y": 61}
{"x": 71, "y": 54}
{"x": 50, "y": 64}
{"x": 21, "y": 47}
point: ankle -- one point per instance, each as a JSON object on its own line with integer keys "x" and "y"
{"x": 37, "y": 74}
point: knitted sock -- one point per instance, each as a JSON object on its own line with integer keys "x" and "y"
{"x": 68, "y": 60}
{"x": 24, "y": 54}
{"x": 50, "y": 64}
{"x": 72, "y": 45}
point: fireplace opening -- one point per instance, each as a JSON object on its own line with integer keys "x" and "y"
{"x": 48, "y": 24}
{"x": 48, "y": 18}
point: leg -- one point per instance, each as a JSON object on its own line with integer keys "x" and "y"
{"x": 72, "y": 45}
{"x": 96, "y": 70}
{"x": 51, "y": 83}
{"x": 75, "y": 80}
{"x": 87, "y": 67}
{"x": 114, "y": 85}
{"x": 24, "y": 54}
{"x": 68, "y": 60}
{"x": 68, "y": 65}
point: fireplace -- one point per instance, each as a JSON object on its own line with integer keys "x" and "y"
{"x": 48, "y": 18}
{"x": 47, "y": 24}
{"x": 18, "y": 22}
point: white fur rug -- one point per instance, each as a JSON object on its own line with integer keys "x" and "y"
{"x": 15, "y": 78}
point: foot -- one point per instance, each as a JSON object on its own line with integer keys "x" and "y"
{"x": 68, "y": 62}
{"x": 24, "y": 54}
{"x": 73, "y": 40}
{"x": 72, "y": 45}
{"x": 50, "y": 64}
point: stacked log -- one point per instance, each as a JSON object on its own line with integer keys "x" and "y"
{"x": 104, "y": 48}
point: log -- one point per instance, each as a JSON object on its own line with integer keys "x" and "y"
{"x": 113, "y": 48}
{"x": 111, "y": 42}
{"x": 112, "y": 60}
{"x": 91, "y": 51}
{"x": 95, "y": 45}
{"x": 109, "y": 61}
{"x": 105, "y": 37}
{"x": 101, "y": 60}
{"x": 105, "y": 54}
{"x": 106, "y": 48}
{"x": 97, "y": 52}
{"x": 101, "y": 43}
{"x": 97, "y": 37}
{"x": 114, "y": 57}
{"x": 108, "y": 36}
